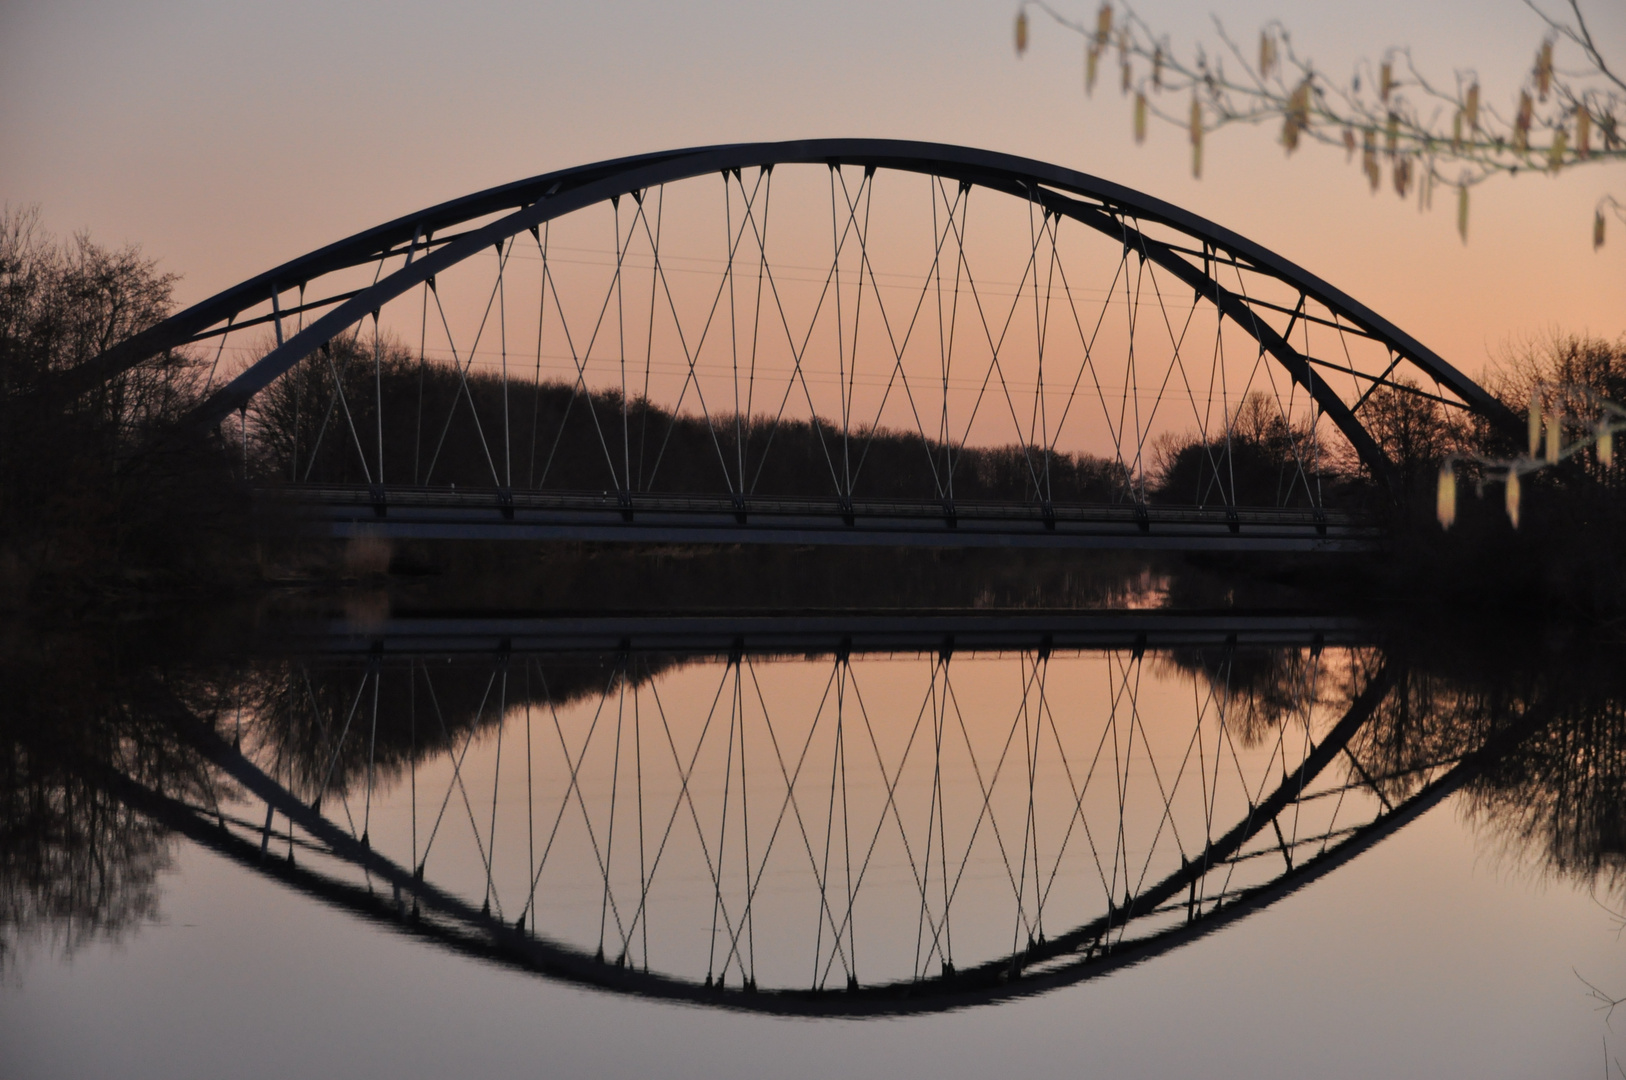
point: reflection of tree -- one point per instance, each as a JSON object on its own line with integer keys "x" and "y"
{"x": 1554, "y": 788}
{"x": 1555, "y": 791}
{"x": 1561, "y": 798}
{"x": 1258, "y": 689}
{"x": 327, "y": 728}
{"x": 1427, "y": 720}
{"x": 75, "y": 860}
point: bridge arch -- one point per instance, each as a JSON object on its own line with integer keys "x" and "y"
{"x": 1310, "y": 356}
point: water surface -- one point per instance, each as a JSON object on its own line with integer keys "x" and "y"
{"x": 1264, "y": 848}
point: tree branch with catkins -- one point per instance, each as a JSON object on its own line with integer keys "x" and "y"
{"x": 1425, "y": 133}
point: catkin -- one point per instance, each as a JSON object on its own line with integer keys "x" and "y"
{"x": 1555, "y": 152}
{"x": 1298, "y": 115}
{"x": 1445, "y": 504}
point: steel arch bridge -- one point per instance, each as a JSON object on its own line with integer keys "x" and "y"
{"x": 959, "y": 844}
{"x": 827, "y": 341}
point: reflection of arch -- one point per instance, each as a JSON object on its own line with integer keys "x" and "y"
{"x": 466, "y": 930}
{"x": 1079, "y": 954}
{"x": 1186, "y": 250}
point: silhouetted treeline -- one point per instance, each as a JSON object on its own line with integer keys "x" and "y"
{"x": 1258, "y": 459}
{"x": 401, "y": 420}
{"x": 437, "y": 426}
{"x": 91, "y": 498}
{"x": 1565, "y": 559}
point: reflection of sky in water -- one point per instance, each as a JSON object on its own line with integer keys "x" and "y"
{"x": 883, "y": 778}
{"x": 1423, "y": 957}
{"x": 1431, "y": 953}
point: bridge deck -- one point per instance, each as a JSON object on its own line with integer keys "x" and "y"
{"x": 450, "y": 514}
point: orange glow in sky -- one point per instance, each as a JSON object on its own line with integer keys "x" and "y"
{"x": 227, "y": 138}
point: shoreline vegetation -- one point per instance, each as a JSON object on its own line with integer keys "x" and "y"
{"x": 106, "y": 513}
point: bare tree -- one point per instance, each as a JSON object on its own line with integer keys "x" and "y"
{"x": 82, "y": 486}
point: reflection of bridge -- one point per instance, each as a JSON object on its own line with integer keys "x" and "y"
{"x": 903, "y": 839}
{"x": 816, "y": 342}
{"x": 723, "y": 635}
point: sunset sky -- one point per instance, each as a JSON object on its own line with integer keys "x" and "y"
{"x": 1444, "y": 893}
{"x": 224, "y": 138}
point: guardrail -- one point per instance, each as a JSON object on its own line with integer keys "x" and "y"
{"x": 490, "y": 514}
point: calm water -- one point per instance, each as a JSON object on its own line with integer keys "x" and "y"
{"x": 1133, "y": 846}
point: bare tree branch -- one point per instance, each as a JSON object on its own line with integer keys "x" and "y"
{"x": 1426, "y": 132}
